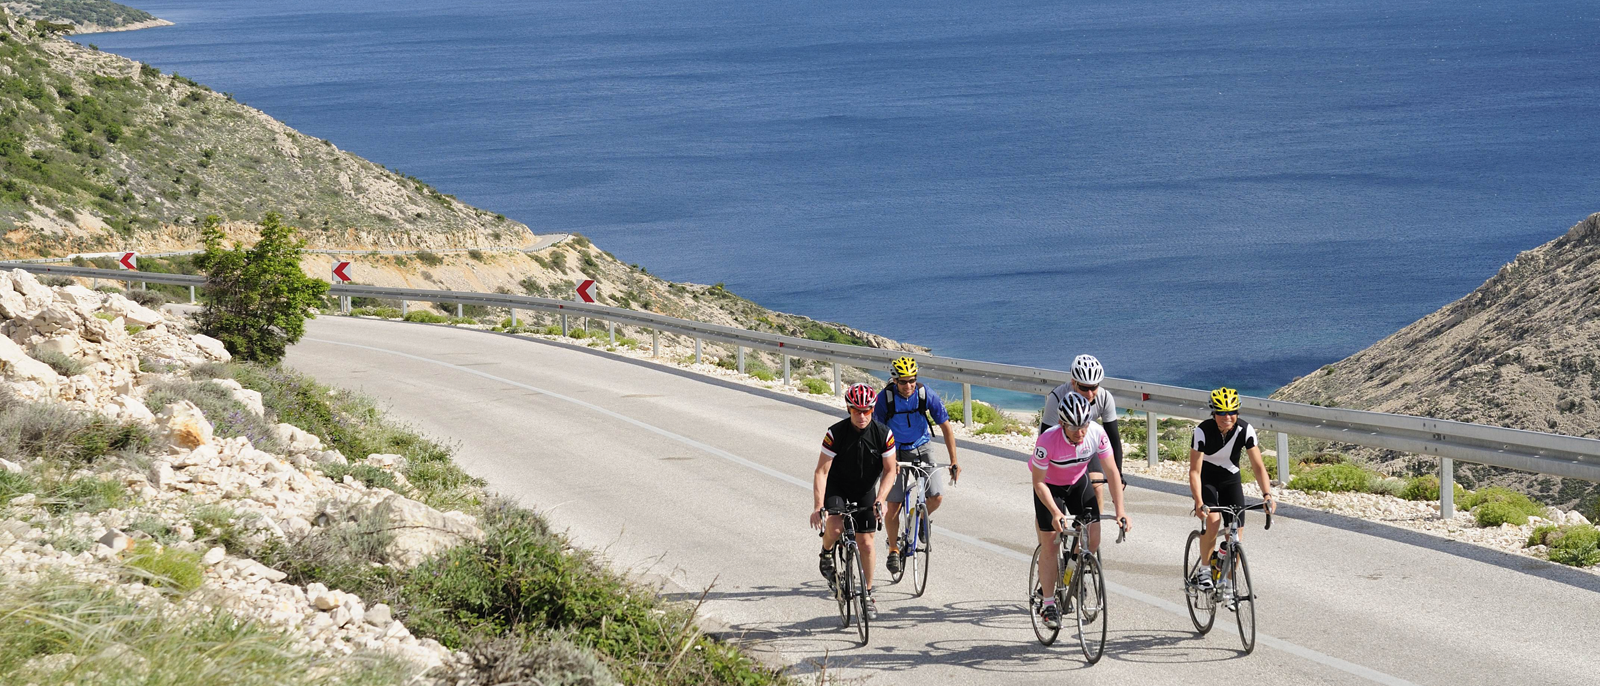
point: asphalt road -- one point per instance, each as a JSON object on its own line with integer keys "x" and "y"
{"x": 706, "y": 484}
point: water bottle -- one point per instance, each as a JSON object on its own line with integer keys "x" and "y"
{"x": 1219, "y": 562}
{"x": 1066, "y": 570}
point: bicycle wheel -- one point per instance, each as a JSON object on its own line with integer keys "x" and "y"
{"x": 1244, "y": 600}
{"x": 1201, "y": 610}
{"x": 1045, "y": 634}
{"x": 924, "y": 551}
{"x": 841, "y": 583}
{"x": 859, "y": 588}
{"x": 904, "y": 540}
{"x": 1090, "y": 588}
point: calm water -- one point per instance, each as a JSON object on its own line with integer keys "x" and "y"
{"x": 1197, "y": 192}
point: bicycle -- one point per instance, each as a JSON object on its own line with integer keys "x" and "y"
{"x": 916, "y": 534}
{"x": 1231, "y": 587}
{"x": 850, "y": 578}
{"x": 1087, "y": 587}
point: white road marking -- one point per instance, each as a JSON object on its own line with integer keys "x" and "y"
{"x": 1345, "y": 666}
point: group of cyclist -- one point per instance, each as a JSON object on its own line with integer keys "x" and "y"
{"x": 1079, "y": 448}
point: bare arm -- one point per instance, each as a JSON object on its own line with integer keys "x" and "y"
{"x": 819, "y": 486}
{"x": 1262, "y": 477}
{"x": 891, "y": 470}
{"x": 1114, "y": 480}
{"x": 950, "y": 445}
{"x": 1195, "y": 457}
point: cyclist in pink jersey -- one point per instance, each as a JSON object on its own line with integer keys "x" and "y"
{"x": 1060, "y": 481}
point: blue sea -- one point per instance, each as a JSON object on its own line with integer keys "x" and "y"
{"x": 1200, "y": 193}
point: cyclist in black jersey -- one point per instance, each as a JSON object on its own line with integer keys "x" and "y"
{"x": 1214, "y": 478}
{"x": 857, "y": 465}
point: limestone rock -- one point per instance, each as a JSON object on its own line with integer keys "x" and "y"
{"x": 132, "y": 312}
{"x": 213, "y": 556}
{"x": 116, "y": 541}
{"x": 183, "y": 426}
{"x": 387, "y": 461}
{"x": 9, "y": 466}
{"x": 35, "y": 295}
{"x": 211, "y": 347}
{"x": 420, "y": 532}
{"x": 297, "y": 440}
{"x": 17, "y": 365}
{"x": 379, "y": 615}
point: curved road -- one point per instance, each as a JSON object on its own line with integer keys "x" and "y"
{"x": 706, "y": 485}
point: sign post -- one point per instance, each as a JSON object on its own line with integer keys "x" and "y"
{"x": 341, "y": 274}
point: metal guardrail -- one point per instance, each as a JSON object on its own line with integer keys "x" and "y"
{"x": 1532, "y": 451}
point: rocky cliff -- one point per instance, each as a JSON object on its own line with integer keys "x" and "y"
{"x": 1521, "y": 351}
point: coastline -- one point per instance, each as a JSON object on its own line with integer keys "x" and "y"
{"x": 88, "y": 29}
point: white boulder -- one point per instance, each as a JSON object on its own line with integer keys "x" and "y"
{"x": 183, "y": 426}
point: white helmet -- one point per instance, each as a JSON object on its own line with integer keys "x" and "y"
{"x": 1073, "y": 411}
{"x": 1087, "y": 371}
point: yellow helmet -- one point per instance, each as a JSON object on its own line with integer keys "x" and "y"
{"x": 1224, "y": 400}
{"x": 904, "y": 367}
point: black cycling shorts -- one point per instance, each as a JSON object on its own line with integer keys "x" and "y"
{"x": 1224, "y": 493}
{"x": 865, "y": 521}
{"x": 1075, "y": 500}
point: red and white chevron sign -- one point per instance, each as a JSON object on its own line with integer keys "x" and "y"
{"x": 584, "y": 290}
{"x": 129, "y": 261}
{"x": 341, "y": 271}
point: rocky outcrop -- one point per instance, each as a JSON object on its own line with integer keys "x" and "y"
{"x": 1522, "y": 351}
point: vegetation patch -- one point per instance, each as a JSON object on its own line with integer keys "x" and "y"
{"x": 1495, "y": 505}
{"x": 1334, "y": 478}
{"x": 170, "y": 568}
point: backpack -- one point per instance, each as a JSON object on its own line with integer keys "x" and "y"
{"x": 922, "y": 404}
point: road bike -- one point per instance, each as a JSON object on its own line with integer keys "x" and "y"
{"x": 916, "y": 531}
{"x": 849, "y": 581}
{"x": 1083, "y": 596}
{"x": 1231, "y": 587}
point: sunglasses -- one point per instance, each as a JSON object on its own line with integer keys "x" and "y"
{"x": 1083, "y": 387}
{"x": 864, "y": 410}
{"x": 1234, "y": 413}
{"x": 906, "y": 382}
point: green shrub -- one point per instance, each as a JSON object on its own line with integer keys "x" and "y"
{"x": 372, "y": 476}
{"x": 1386, "y": 485}
{"x": 1577, "y": 546}
{"x": 816, "y": 386}
{"x": 982, "y": 413}
{"x": 59, "y": 435}
{"x": 82, "y": 494}
{"x": 763, "y": 374}
{"x": 1495, "y": 513}
{"x": 384, "y": 312}
{"x": 426, "y": 317}
{"x": 151, "y": 299}
{"x": 429, "y": 258}
{"x": 1333, "y": 478}
{"x": 1426, "y": 488}
{"x": 221, "y": 525}
{"x": 1541, "y": 535}
{"x": 257, "y": 299}
{"x": 64, "y": 364}
{"x": 171, "y": 568}
{"x": 630, "y": 342}
{"x": 475, "y": 254}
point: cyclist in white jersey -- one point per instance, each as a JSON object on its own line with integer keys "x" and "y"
{"x": 1086, "y": 377}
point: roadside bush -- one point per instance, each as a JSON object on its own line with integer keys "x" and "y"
{"x": 170, "y": 568}
{"x": 516, "y": 658}
{"x": 426, "y": 317}
{"x": 1426, "y": 488}
{"x": 57, "y": 280}
{"x": 151, "y": 299}
{"x": 1499, "y": 512}
{"x": 257, "y": 299}
{"x": 1495, "y": 505}
{"x": 64, "y": 364}
{"x": 59, "y": 435}
{"x": 475, "y": 254}
{"x": 816, "y": 386}
{"x": 1574, "y": 545}
{"x": 373, "y": 477}
{"x": 429, "y": 258}
{"x": 1333, "y": 478}
{"x": 384, "y": 312}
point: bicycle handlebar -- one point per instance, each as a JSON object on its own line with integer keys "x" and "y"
{"x": 1241, "y": 509}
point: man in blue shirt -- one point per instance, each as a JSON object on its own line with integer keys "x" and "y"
{"x": 907, "y": 413}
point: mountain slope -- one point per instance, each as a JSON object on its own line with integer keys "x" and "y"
{"x": 85, "y": 16}
{"x": 1522, "y": 351}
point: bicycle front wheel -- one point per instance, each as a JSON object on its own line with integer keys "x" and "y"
{"x": 841, "y": 582}
{"x": 859, "y": 588}
{"x": 919, "y": 561}
{"x": 1244, "y": 594}
{"x": 1091, "y": 598}
{"x": 1045, "y": 634}
{"x": 1201, "y": 610}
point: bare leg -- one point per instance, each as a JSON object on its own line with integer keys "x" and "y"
{"x": 891, "y": 525}
{"x": 1208, "y": 539}
{"x": 832, "y": 531}
{"x": 1049, "y": 562}
{"x": 934, "y": 502}
{"x": 868, "y": 545}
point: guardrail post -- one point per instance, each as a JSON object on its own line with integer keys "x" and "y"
{"x": 144, "y": 286}
{"x": 458, "y": 311}
{"x": 513, "y": 317}
{"x": 611, "y": 330}
{"x": 838, "y": 381}
{"x": 405, "y": 307}
{"x": 741, "y": 359}
{"x": 966, "y": 405}
{"x": 94, "y": 284}
{"x": 697, "y": 350}
{"x": 564, "y": 331}
{"x": 1153, "y": 443}
{"x": 1447, "y": 488}
{"x": 655, "y": 343}
{"x": 191, "y": 295}
{"x": 1283, "y": 459}
{"x": 785, "y": 369}
{"x": 345, "y": 303}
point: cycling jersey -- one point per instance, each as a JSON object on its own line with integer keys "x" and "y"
{"x": 1103, "y": 408}
{"x": 1065, "y": 462}
{"x": 1220, "y": 463}
{"x": 857, "y": 456}
{"x": 904, "y": 415}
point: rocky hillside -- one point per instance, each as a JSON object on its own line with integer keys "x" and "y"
{"x": 1522, "y": 351}
{"x": 98, "y": 152}
{"x": 85, "y": 16}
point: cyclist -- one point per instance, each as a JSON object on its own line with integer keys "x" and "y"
{"x": 1060, "y": 467}
{"x": 907, "y": 407}
{"x": 1214, "y": 470}
{"x": 856, "y": 452}
{"x": 1086, "y": 377}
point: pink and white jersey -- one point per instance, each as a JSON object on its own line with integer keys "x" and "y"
{"x": 1064, "y": 462}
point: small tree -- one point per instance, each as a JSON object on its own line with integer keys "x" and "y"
{"x": 257, "y": 300}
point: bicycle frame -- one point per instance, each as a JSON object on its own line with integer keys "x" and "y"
{"x": 916, "y": 480}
